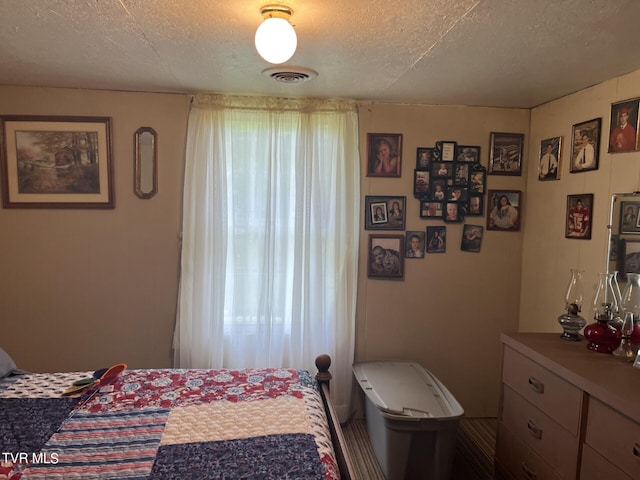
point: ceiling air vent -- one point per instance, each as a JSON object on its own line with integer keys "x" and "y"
{"x": 288, "y": 74}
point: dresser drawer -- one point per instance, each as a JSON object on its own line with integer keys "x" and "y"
{"x": 519, "y": 461}
{"x": 596, "y": 467}
{"x": 556, "y": 397}
{"x": 614, "y": 436}
{"x": 540, "y": 433}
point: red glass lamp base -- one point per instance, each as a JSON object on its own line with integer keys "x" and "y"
{"x": 602, "y": 337}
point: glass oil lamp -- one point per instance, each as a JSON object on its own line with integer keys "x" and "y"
{"x": 571, "y": 322}
{"x": 626, "y": 351}
{"x": 631, "y": 304}
{"x": 602, "y": 336}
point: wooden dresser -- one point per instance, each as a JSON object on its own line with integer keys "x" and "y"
{"x": 566, "y": 412}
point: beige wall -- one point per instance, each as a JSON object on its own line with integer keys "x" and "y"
{"x": 80, "y": 289}
{"x": 548, "y": 256}
{"x": 448, "y": 311}
{"x": 83, "y": 289}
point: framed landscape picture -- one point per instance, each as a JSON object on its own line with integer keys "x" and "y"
{"x": 56, "y": 162}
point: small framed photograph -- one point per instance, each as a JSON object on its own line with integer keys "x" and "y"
{"x": 414, "y": 244}
{"x": 457, "y": 193}
{"x": 471, "y": 238}
{"x": 438, "y": 190}
{"x": 436, "y": 239}
{"x": 478, "y": 179}
{"x": 629, "y": 217}
{"x": 623, "y": 130}
{"x": 585, "y": 146}
{"x": 430, "y": 209}
{"x": 384, "y": 154}
{"x": 56, "y": 162}
{"x": 579, "y": 211}
{"x": 454, "y": 212}
{"x": 424, "y": 157}
{"x": 476, "y": 206}
{"x": 505, "y": 153}
{"x": 503, "y": 210}
{"x": 385, "y": 258}
{"x": 628, "y": 257}
{"x": 384, "y": 213}
{"x": 550, "y": 157}
{"x": 442, "y": 170}
{"x": 461, "y": 176}
{"x": 420, "y": 184}
{"x": 447, "y": 150}
{"x": 468, "y": 153}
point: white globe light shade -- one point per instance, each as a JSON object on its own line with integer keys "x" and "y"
{"x": 276, "y": 40}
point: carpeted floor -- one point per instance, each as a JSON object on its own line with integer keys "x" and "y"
{"x": 473, "y": 457}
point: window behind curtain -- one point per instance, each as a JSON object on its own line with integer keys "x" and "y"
{"x": 270, "y": 235}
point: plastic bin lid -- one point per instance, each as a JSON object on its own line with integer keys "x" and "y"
{"x": 406, "y": 389}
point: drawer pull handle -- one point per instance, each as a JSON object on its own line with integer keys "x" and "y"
{"x": 536, "y": 385}
{"x": 528, "y": 473}
{"x": 636, "y": 450}
{"x": 535, "y": 431}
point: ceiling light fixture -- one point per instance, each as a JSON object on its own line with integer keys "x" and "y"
{"x": 276, "y": 40}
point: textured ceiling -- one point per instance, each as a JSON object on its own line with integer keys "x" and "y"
{"x": 506, "y": 53}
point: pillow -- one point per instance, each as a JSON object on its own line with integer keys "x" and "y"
{"x": 7, "y": 365}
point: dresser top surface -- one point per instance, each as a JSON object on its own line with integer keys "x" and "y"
{"x": 612, "y": 381}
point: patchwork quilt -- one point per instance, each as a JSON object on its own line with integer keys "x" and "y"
{"x": 166, "y": 424}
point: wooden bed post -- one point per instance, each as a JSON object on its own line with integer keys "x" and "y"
{"x": 323, "y": 377}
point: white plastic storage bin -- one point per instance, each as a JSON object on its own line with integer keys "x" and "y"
{"x": 412, "y": 419}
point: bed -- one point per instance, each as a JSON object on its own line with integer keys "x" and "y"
{"x": 166, "y": 424}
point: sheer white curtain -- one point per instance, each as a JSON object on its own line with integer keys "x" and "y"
{"x": 270, "y": 236}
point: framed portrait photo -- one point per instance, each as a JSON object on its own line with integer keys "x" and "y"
{"x": 623, "y": 130}
{"x": 385, "y": 259}
{"x": 505, "y": 153}
{"x": 56, "y": 162}
{"x": 384, "y": 154}
{"x": 476, "y": 206}
{"x": 578, "y": 217}
{"x": 549, "y": 159}
{"x": 414, "y": 244}
{"x": 629, "y": 218}
{"x": 420, "y": 184}
{"x": 471, "y": 238}
{"x": 468, "y": 153}
{"x": 629, "y": 257}
{"x": 384, "y": 212}
{"x": 503, "y": 210}
{"x": 477, "y": 179}
{"x": 453, "y": 211}
{"x": 436, "y": 239}
{"x": 585, "y": 146}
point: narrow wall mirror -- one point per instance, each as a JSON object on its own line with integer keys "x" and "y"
{"x": 146, "y": 162}
{"x": 623, "y": 253}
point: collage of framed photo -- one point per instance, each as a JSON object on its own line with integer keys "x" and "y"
{"x": 449, "y": 189}
{"x": 585, "y": 146}
{"x": 505, "y": 153}
{"x": 578, "y": 216}
{"x": 384, "y": 212}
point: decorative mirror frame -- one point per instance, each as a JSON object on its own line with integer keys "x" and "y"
{"x": 139, "y": 163}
